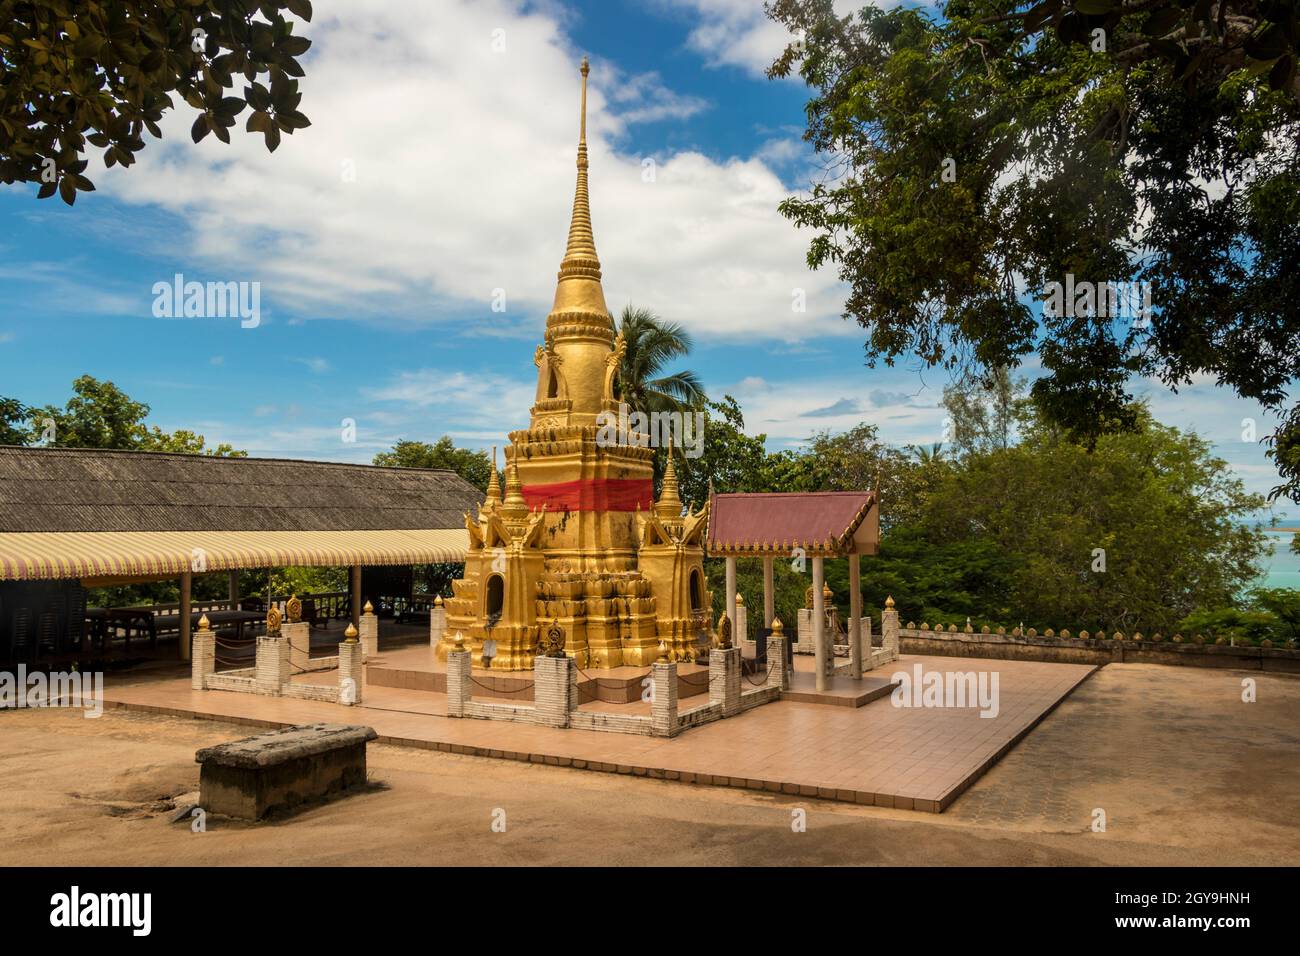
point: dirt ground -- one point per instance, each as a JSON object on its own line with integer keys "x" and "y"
{"x": 1184, "y": 770}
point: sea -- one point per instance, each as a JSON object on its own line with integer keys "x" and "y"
{"x": 1282, "y": 567}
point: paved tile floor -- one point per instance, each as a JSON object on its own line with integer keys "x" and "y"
{"x": 881, "y": 754}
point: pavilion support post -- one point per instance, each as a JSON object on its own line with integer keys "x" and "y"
{"x": 855, "y": 618}
{"x": 731, "y": 590}
{"x": 769, "y": 592}
{"x": 187, "y": 586}
{"x": 233, "y": 589}
{"x": 356, "y": 596}
{"x": 819, "y": 620}
{"x": 369, "y": 631}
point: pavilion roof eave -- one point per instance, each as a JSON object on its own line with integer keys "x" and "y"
{"x": 844, "y": 523}
{"x": 60, "y": 555}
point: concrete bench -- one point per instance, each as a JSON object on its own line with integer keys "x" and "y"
{"x": 281, "y": 769}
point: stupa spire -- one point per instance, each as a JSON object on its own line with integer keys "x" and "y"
{"x": 578, "y": 288}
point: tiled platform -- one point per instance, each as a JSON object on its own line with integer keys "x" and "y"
{"x": 875, "y": 754}
{"x": 418, "y": 668}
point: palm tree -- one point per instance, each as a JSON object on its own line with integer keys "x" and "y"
{"x": 928, "y": 456}
{"x": 651, "y": 344}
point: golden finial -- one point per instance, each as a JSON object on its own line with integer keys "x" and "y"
{"x": 740, "y": 599}
{"x": 293, "y": 609}
{"x": 272, "y": 620}
{"x": 204, "y": 624}
{"x": 582, "y": 123}
{"x": 367, "y": 608}
{"x": 724, "y": 631}
{"x": 437, "y": 601}
{"x": 663, "y": 653}
{"x": 460, "y": 641}
{"x": 350, "y": 635}
{"x": 777, "y": 627}
{"x": 826, "y": 590}
{"x": 889, "y": 602}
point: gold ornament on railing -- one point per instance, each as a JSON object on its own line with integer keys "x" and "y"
{"x": 350, "y": 635}
{"x": 293, "y": 609}
{"x": 555, "y": 640}
{"x": 273, "y": 620}
{"x": 724, "y": 632}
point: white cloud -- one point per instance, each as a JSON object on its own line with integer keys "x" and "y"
{"x": 738, "y": 33}
{"x": 437, "y": 170}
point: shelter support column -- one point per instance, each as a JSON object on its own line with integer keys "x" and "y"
{"x": 855, "y": 618}
{"x": 731, "y": 590}
{"x": 769, "y": 592}
{"x": 819, "y": 620}
{"x": 233, "y": 589}
{"x": 356, "y": 596}
{"x": 187, "y": 588}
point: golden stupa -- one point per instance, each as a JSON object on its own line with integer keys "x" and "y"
{"x": 578, "y": 539}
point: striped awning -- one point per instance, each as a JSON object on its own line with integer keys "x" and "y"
{"x": 28, "y": 556}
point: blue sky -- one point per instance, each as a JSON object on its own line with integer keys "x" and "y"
{"x": 438, "y": 170}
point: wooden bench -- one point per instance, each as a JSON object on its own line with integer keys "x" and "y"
{"x": 282, "y": 769}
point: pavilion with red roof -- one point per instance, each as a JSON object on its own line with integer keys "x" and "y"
{"x": 816, "y": 525}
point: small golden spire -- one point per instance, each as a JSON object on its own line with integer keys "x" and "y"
{"x": 494, "y": 486}
{"x": 669, "y": 505}
{"x": 204, "y": 623}
{"x": 437, "y": 601}
{"x": 367, "y": 608}
{"x": 777, "y": 627}
{"x": 740, "y": 599}
{"x": 350, "y": 635}
{"x": 514, "y": 505}
{"x": 889, "y": 602}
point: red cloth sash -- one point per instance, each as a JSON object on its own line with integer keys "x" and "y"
{"x": 592, "y": 494}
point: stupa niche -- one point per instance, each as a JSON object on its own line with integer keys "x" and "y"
{"x": 578, "y": 539}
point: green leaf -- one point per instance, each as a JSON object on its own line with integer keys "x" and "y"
{"x": 1162, "y": 21}
{"x": 200, "y": 128}
{"x": 294, "y": 46}
{"x": 299, "y": 8}
{"x": 258, "y": 122}
{"x": 1279, "y": 78}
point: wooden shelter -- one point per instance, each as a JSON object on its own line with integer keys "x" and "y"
{"x": 98, "y": 518}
